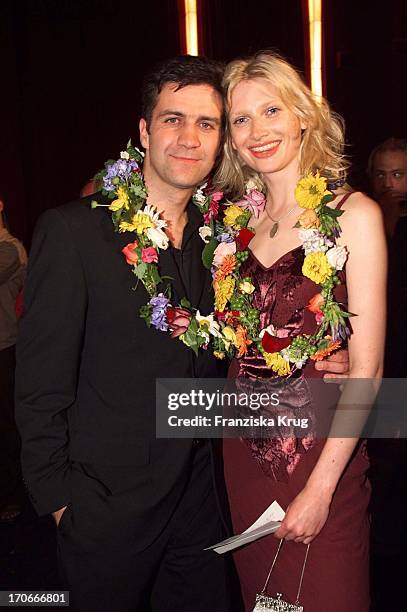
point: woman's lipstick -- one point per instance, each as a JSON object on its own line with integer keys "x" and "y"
{"x": 265, "y": 150}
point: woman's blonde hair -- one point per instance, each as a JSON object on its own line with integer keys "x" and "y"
{"x": 322, "y": 141}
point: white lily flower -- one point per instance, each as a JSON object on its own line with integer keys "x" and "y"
{"x": 337, "y": 257}
{"x": 124, "y": 155}
{"x": 205, "y": 233}
{"x": 270, "y": 330}
{"x": 154, "y": 215}
{"x": 158, "y": 237}
{"x": 199, "y": 195}
{"x": 299, "y": 363}
{"x": 209, "y": 320}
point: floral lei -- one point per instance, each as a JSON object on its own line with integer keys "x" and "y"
{"x": 234, "y": 326}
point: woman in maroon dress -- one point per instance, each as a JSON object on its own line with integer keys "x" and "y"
{"x": 278, "y": 132}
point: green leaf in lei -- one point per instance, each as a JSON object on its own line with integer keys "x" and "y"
{"x": 191, "y": 338}
{"x": 140, "y": 270}
{"x": 207, "y": 253}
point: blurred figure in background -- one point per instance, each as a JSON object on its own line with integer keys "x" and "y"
{"x": 13, "y": 260}
{"x": 387, "y": 170}
{"x": 89, "y": 188}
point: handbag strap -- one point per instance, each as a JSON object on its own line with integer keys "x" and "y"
{"x": 263, "y": 591}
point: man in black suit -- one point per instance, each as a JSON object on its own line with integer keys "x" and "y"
{"x": 134, "y": 513}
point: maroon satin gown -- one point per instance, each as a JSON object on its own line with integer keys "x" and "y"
{"x": 336, "y": 577}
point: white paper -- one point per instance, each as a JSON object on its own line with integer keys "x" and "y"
{"x": 267, "y": 523}
{"x": 273, "y": 513}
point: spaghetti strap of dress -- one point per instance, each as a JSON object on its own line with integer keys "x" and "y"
{"x": 343, "y": 200}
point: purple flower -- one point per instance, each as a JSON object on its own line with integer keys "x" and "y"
{"x": 159, "y": 314}
{"x": 225, "y": 237}
{"x": 122, "y": 169}
{"x": 340, "y": 332}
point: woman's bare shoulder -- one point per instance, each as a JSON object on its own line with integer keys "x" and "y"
{"x": 361, "y": 220}
{"x": 359, "y": 207}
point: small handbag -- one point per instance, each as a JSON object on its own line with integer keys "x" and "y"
{"x": 264, "y": 603}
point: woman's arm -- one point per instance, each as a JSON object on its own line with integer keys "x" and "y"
{"x": 363, "y": 234}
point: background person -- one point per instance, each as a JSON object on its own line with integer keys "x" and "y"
{"x": 387, "y": 172}
{"x": 13, "y": 260}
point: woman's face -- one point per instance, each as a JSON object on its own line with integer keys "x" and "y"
{"x": 265, "y": 132}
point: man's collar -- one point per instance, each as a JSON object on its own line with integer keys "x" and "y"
{"x": 194, "y": 222}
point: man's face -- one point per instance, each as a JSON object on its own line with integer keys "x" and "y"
{"x": 389, "y": 174}
{"x": 183, "y": 138}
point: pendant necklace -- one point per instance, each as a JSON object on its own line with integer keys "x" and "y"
{"x": 276, "y": 222}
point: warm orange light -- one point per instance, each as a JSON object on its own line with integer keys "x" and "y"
{"x": 191, "y": 27}
{"x": 315, "y": 37}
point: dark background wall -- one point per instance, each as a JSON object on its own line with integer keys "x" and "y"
{"x": 366, "y": 69}
{"x": 71, "y": 72}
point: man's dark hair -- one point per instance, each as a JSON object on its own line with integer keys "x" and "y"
{"x": 183, "y": 70}
{"x": 391, "y": 144}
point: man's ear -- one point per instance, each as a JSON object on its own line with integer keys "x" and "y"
{"x": 144, "y": 136}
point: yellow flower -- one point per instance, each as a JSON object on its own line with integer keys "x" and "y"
{"x": 229, "y": 337}
{"x": 310, "y": 191}
{"x": 316, "y": 267}
{"x": 246, "y": 287}
{"x": 219, "y": 354}
{"x": 223, "y": 292}
{"x": 231, "y": 214}
{"x": 277, "y": 363}
{"x": 125, "y": 227}
{"x": 309, "y": 219}
{"x": 139, "y": 223}
{"x": 122, "y": 200}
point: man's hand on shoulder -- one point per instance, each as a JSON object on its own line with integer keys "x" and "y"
{"x": 58, "y": 514}
{"x": 336, "y": 366}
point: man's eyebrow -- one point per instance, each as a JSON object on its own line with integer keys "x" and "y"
{"x": 168, "y": 111}
{"x": 392, "y": 170}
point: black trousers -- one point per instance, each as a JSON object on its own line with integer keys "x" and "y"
{"x": 10, "y": 469}
{"x": 103, "y": 566}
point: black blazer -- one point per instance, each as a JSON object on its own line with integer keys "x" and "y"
{"x": 87, "y": 364}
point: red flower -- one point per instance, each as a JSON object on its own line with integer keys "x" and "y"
{"x": 130, "y": 254}
{"x": 243, "y": 238}
{"x": 220, "y": 315}
{"x": 272, "y": 344}
{"x": 232, "y": 317}
{"x": 213, "y": 210}
{"x": 179, "y": 320}
{"x": 149, "y": 255}
{"x": 315, "y": 303}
